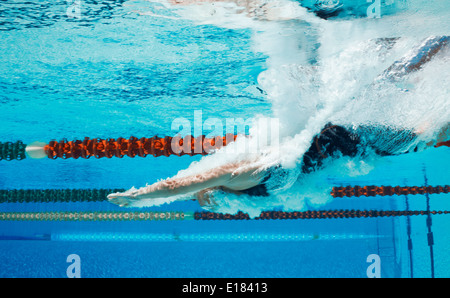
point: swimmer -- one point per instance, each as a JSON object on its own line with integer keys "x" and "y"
{"x": 247, "y": 178}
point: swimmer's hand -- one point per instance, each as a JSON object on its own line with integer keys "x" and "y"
{"x": 124, "y": 199}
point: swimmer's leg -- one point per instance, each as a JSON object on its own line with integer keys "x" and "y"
{"x": 417, "y": 58}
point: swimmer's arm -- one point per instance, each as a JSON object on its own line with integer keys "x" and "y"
{"x": 174, "y": 186}
{"x": 178, "y": 186}
{"x": 232, "y": 176}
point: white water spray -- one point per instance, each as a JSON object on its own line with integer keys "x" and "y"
{"x": 322, "y": 71}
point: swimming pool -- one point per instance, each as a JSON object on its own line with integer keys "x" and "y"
{"x": 129, "y": 68}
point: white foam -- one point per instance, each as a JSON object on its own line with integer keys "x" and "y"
{"x": 340, "y": 87}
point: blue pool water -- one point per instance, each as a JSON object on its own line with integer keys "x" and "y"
{"x": 129, "y": 68}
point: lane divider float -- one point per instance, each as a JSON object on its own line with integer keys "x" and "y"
{"x": 164, "y": 216}
{"x": 100, "y": 194}
{"x": 131, "y": 147}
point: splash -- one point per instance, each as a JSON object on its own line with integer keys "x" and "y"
{"x": 321, "y": 71}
